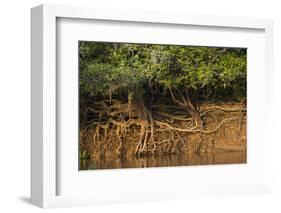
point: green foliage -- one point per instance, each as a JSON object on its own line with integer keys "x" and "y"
{"x": 84, "y": 155}
{"x": 108, "y": 68}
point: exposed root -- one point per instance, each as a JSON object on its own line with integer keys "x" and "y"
{"x": 124, "y": 129}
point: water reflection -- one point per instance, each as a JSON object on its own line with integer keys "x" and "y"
{"x": 166, "y": 160}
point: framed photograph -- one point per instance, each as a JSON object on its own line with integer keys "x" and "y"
{"x": 130, "y": 106}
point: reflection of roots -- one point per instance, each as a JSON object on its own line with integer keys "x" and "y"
{"x": 121, "y": 130}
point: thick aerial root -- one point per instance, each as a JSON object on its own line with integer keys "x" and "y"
{"x": 212, "y": 108}
{"x": 194, "y": 130}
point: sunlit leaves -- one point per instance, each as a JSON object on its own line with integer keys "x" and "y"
{"x": 106, "y": 68}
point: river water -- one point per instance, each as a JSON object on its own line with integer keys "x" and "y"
{"x": 187, "y": 159}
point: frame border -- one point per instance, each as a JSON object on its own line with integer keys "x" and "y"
{"x": 43, "y": 89}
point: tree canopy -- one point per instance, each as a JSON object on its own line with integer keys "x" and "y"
{"x": 108, "y": 68}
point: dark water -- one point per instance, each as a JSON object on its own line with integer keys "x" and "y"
{"x": 187, "y": 159}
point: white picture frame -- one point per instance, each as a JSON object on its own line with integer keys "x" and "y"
{"x": 44, "y": 154}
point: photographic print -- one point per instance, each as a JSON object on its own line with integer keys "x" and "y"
{"x": 155, "y": 105}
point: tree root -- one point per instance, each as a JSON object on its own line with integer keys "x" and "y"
{"x": 120, "y": 128}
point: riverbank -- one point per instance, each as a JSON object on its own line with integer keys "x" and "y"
{"x": 224, "y": 131}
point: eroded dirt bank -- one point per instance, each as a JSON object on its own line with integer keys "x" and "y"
{"x": 167, "y": 130}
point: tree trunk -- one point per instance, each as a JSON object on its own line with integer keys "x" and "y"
{"x": 189, "y": 107}
{"x": 144, "y": 118}
{"x": 194, "y": 113}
